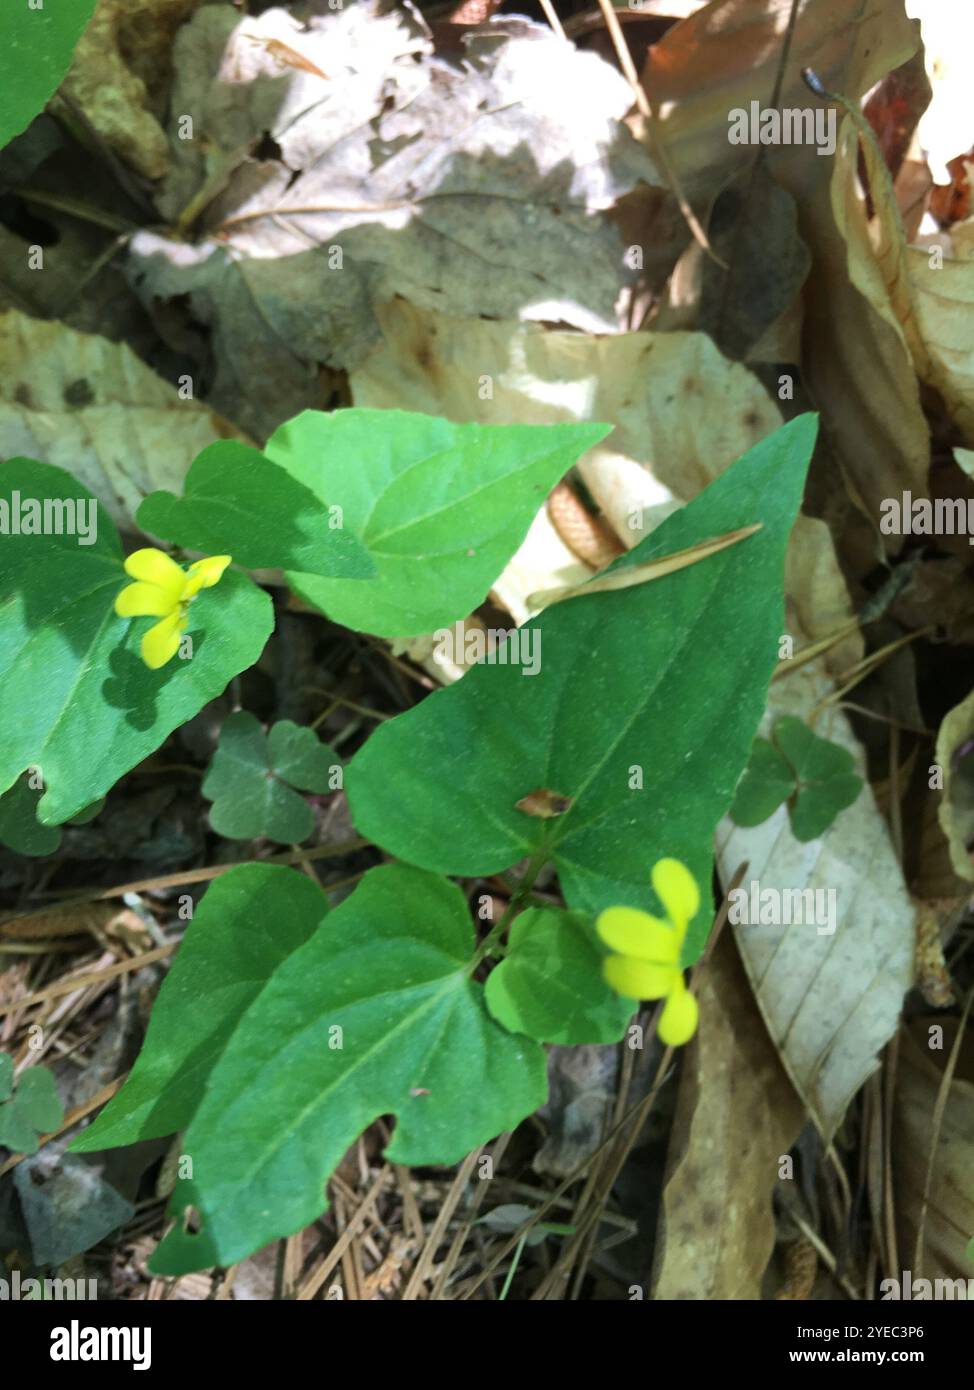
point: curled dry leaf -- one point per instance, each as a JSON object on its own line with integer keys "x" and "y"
{"x": 736, "y": 1117}
{"x": 954, "y": 757}
{"x": 949, "y": 1219}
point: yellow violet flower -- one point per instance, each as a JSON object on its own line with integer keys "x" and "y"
{"x": 647, "y": 963}
{"x": 164, "y": 590}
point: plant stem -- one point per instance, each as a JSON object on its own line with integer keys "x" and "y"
{"x": 535, "y": 865}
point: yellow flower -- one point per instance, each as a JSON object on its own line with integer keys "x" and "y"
{"x": 165, "y": 591}
{"x": 647, "y": 963}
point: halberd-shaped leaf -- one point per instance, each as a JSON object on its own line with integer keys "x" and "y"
{"x": 76, "y": 700}
{"x": 374, "y": 1013}
{"x": 235, "y": 501}
{"x": 549, "y": 985}
{"x": 642, "y": 713}
{"x": 252, "y": 774}
{"x": 249, "y": 922}
{"x": 35, "y": 53}
{"x": 440, "y": 507}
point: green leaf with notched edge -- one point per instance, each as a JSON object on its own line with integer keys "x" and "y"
{"x": 767, "y": 782}
{"x": 76, "y": 699}
{"x": 21, "y": 831}
{"x": 549, "y": 985}
{"x": 440, "y": 507}
{"x": 665, "y": 681}
{"x": 248, "y": 777}
{"x": 376, "y": 1013}
{"x": 826, "y": 777}
{"x": 249, "y": 921}
{"x": 36, "y": 46}
{"x": 237, "y": 502}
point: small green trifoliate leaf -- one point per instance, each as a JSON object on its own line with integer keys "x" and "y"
{"x": 767, "y": 782}
{"x": 77, "y": 701}
{"x": 826, "y": 776}
{"x": 36, "y": 45}
{"x": 375, "y": 1013}
{"x": 34, "y": 1109}
{"x": 248, "y": 776}
{"x": 440, "y": 507}
{"x": 549, "y": 985}
{"x": 249, "y": 921}
{"x": 641, "y": 713}
{"x": 235, "y": 501}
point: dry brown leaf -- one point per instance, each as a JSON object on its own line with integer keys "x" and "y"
{"x": 949, "y": 1220}
{"x": 116, "y": 66}
{"x": 737, "y": 1116}
{"x": 956, "y": 811}
{"x": 96, "y": 410}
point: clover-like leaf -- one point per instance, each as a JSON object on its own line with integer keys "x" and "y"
{"x": 76, "y": 699}
{"x": 312, "y": 1034}
{"x": 825, "y": 773}
{"x": 549, "y": 985}
{"x": 641, "y": 715}
{"x": 236, "y": 501}
{"x": 35, "y": 1108}
{"x": 252, "y": 774}
{"x": 440, "y": 507}
{"x": 767, "y": 781}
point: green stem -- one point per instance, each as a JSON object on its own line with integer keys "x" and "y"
{"x": 523, "y": 890}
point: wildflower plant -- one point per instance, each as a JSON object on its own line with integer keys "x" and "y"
{"x": 286, "y": 1024}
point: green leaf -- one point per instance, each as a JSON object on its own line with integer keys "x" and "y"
{"x": 664, "y": 681}
{"x": 246, "y": 780}
{"x": 35, "y": 1109}
{"x": 826, "y": 776}
{"x": 440, "y": 507}
{"x": 237, "y": 502}
{"x": 76, "y": 700}
{"x": 249, "y": 921}
{"x": 375, "y": 1013}
{"x": 767, "y": 782}
{"x": 549, "y": 985}
{"x": 20, "y": 829}
{"x": 36, "y": 45}
{"x": 6, "y": 1076}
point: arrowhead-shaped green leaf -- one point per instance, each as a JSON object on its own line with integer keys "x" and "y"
{"x": 549, "y": 985}
{"x": 440, "y": 507}
{"x": 36, "y": 45}
{"x": 249, "y": 922}
{"x": 643, "y": 713}
{"x": 247, "y": 777}
{"x": 313, "y": 1034}
{"x": 237, "y": 502}
{"x": 76, "y": 699}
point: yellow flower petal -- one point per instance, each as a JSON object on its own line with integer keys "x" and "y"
{"x": 144, "y": 601}
{"x": 635, "y": 933}
{"x": 161, "y": 643}
{"x": 678, "y": 1021}
{"x": 677, "y": 890}
{"x": 203, "y": 574}
{"x": 638, "y": 979}
{"x": 154, "y": 567}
